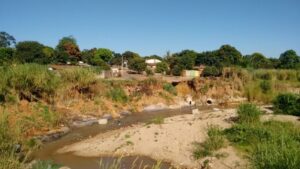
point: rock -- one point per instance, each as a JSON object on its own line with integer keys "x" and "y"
{"x": 87, "y": 122}
{"x": 195, "y": 112}
{"x": 107, "y": 116}
{"x": 216, "y": 109}
{"x": 54, "y": 134}
{"x": 102, "y": 121}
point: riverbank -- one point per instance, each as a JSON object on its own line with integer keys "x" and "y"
{"x": 170, "y": 140}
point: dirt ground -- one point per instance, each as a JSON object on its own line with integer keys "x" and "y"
{"x": 172, "y": 141}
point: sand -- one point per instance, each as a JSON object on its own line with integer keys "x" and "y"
{"x": 172, "y": 141}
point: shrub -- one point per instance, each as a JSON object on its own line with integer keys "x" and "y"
{"x": 211, "y": 71}
{"x": 161, "y": 67}
{"x": 248, "y": 113}
{"x": 169, "y": 88}
{"x": 265, "y": 86}
{"x": 118, "y": 95}
{"x": 287, "y": 103}
{"x": 149, "y": 72}
{"x": 214, "y": 142}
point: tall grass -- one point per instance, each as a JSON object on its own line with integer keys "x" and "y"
{"x": 248, "y": 113}
{"x": 214, "y": 142}
{"x": 81, "y": 77}
{"x": 270, "y": 145}
{"x": 28, "y": 81}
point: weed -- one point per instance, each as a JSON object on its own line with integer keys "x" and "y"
{"x": 248, "y": 113}
{"x": 214, "y": 142}
{"x": 287, "y": 103}
{"x": 170, "y": 88}
{"x": 118, "y": 95}
{"x": 156, "y": 120}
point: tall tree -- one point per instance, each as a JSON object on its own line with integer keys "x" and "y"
{"x": 258, "y": 60}
{"x": 31, "y": 51}
{"x": 6, "y": 40}
{"x": 68, "y": 46}
{"x": 289, "y": 60}
{"x": 105, "y": 54}
{"x": 138, "y": 64}
{"x": 229, "y": 55}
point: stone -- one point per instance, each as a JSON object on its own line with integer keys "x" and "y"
{"x": 195, "y": 112}
{"x": 102, "y": 121}
{"x": 64, "y": 167}
{"x": 84, "y": 123}
{"x": 155, "y": 107}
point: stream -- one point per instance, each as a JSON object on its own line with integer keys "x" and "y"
{"x": 48, "y": 150}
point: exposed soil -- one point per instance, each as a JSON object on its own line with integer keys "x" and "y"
{"x": 171, "y": 141}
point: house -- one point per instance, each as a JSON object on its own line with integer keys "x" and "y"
{"x": 151, "y": 63}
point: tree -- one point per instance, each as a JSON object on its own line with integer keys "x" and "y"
{"x": 289, "y": 59}
{"x": 258, "y": 60}
{"x": 117, "y": 59}
{"x": 128, "y": 55}
{"x": 31, "y": 51}
{"x": 68, "y": 46}
{"x": 229, "y": 55}
{"x": 6, "y": 55}
{"x": 6, "y": 40}
{"x": 161, "y": 67}
{"x": 183, "y": 60}
{"x": 105, "y": 54}
{"x": 138, "y": 64}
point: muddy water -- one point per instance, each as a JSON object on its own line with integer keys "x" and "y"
{"x": 48, "y": 151}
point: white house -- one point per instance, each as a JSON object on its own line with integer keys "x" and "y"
{"x": 152, "y": 63}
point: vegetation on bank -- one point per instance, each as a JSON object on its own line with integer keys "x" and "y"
{"x": 267, "y": 145}
{"x": 68, "y": 51}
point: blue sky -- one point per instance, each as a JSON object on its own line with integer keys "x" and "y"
{"x": 156, "y": 26}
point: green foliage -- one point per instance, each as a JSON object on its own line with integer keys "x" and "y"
{"x": 31, "y": 51}
{"x": 287, "y": 103}
{"x": 149, "y": 72}
{"x": 289, "y": 60}
{"x": 6, "y": 56}
{"x": 258, "y": 60}
{"x": 248, "y": 113}
{"x": 67, "y": 47}
{"x": 170, "y": 88}
{"x": 266, "y": 86}
{"x": 214, "y": 142}
{"x": 161, "y": 67}
{"x": 211, "y": 71}
{"x": 80, "y": 77}
{"x": 6, "y": 40}
{"x": 229, "y": 55}
{"x": 270, "y": 144}
{"x": 45, "y": 165}
{"x": 117, "y": 94}
{"x": 105, "y": 54}
{"x": 137, "y": 64}
{"x": 28, "y": 81}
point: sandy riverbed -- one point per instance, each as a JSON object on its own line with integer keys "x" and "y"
{"x": 171, "y": 141}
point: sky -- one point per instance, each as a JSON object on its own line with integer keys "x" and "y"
{"x": 157, "y": 26}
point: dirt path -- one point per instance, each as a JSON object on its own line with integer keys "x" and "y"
{"x": 171, "y": 141}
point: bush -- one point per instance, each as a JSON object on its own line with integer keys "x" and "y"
{"x": 265, "y": 86}
{"x": 211, "y": 71}
{"x": 169, "y": 88}
{"x": 118, "y": 95}
{"x": 214, "y": 142}
{"x": 248, "y": 113}
{"x": 161, "y": 67}
{"x": 287, "y": 104}
{"x": 149, "y": 72}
